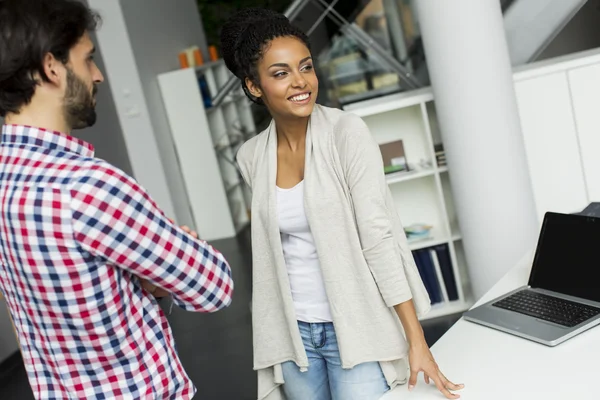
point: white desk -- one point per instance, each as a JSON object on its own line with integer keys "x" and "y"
{"x": 494, "y": 365}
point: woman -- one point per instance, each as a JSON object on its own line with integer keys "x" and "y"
{"x": 335, "y": 287}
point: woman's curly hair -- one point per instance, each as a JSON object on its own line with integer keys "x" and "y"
{"x": 245, "y": 37}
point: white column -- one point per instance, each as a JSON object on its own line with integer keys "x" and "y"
{"x": 472, "y": 81}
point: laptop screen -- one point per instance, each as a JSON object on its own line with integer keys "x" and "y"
{"x": 567, "y": 258}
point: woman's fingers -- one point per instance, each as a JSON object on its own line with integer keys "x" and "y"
{"x": 450, "y": 385}
{"x": 441, "y": 385}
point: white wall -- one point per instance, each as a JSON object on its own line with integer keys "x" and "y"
{"x": 558, "y": 102}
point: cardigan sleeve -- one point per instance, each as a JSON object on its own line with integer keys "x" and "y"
{"x": 244, "y": 159}
{"x": 363, "y": 165}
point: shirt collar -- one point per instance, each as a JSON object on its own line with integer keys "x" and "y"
{"x": 40, "y": 137}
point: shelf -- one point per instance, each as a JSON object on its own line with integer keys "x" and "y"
{"x": 390, "y": 103}
{"x": 424, "y": 243}
{"x": 444, "y": 309}
{"x": 397, "y": 177}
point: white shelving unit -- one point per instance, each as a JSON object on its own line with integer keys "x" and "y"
{"x": 423, "y": 195}
{"x": 206, "y": 141}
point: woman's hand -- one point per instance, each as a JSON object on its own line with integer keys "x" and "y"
{"x": 419, "y": 355}
{"x": 421, "y": 360}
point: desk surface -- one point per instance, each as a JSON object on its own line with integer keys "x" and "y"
{"x": 494, "y": 365}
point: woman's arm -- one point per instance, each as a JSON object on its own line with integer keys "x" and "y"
{"x": 363, "y": 165}
{"x": 420, "y": 357}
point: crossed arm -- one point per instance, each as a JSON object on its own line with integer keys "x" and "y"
{"x": 116, "y": 220}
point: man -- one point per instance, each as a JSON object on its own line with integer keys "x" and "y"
{"x": 77, "y": 235}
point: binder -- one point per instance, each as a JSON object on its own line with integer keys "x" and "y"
{"x": 443, "y": 256}
{"x": 438, "y": 275}
{"x": 427, "y": 272}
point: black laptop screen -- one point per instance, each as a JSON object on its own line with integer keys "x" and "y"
{"x": 567, "y": 259}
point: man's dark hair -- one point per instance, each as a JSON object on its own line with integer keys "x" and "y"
{"x": 30, "y": 29}
{"x": 244, "y": 39}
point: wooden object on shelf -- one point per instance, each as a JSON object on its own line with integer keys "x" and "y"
{"x": 198, "y": 59}
{"x": 423, "y": 194}
{"x": 183, "y": 60}
{"x": 214, "y": 54}
{"x": 206, "y": 142}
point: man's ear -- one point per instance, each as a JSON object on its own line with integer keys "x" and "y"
{"x": 253, "y": 88}
{"x": 53, "y": 68}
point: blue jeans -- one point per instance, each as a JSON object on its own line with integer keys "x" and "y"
{"x": 325, "y": 378}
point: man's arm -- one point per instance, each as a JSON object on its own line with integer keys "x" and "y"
{"x": 116, "y": 220}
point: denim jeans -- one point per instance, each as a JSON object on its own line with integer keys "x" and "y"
{"x": 325, "y": 378}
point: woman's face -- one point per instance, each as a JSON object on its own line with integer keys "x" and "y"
{"x": 288, "y": 83}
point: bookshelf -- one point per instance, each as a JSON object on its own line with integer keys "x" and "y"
{"x": 424, "y": 194}
{"x": 206, "y": 140}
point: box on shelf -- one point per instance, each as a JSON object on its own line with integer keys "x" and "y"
{"x": 394, "y": 158}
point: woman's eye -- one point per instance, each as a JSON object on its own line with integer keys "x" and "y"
{"x": 307, "y": 68}
{"x": 279, "y": 74}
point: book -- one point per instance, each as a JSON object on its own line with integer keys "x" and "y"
{"x": 438, "y": 275}
{"x": 394, "y": 158}
{"x": 449, "y": 280}
{"x": 427, "y": 272}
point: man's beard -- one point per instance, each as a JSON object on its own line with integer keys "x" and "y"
{"x": 79, "y": 107}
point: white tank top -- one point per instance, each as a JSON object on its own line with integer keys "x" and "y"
{"x": 300, "y": 253}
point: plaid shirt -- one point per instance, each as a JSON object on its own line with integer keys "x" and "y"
{"x": 75, "y": 233}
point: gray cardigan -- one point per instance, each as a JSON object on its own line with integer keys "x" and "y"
{"x": 366, "y": 263}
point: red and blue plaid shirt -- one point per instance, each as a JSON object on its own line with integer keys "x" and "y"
{"x": 75, "y": 233}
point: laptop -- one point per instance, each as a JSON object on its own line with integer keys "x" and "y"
{"x": 562, "y": 297}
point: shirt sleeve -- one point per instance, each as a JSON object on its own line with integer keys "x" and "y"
{"x": 115, "y": 219}
{"x": 244, "y": 160}
{"x": 363, "y": 165}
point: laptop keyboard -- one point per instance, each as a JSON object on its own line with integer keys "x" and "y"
{"x": 563, "y": 312}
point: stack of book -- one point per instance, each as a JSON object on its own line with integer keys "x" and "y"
{"x": 440, "y": 154}
{"x": 435, "y": 267}
{"x": 416, "y": 232}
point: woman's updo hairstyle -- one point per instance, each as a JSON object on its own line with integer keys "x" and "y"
{"x": 244, "y": 39}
